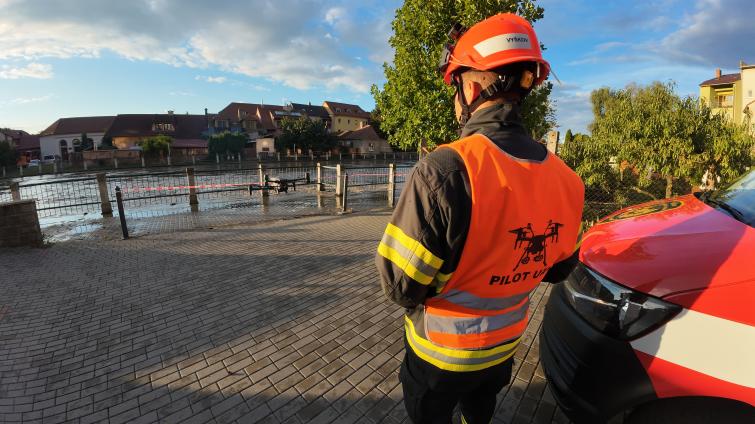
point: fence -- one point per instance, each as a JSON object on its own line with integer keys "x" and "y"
{"x": 158, "y": 194}
{"x": 245, "y": 191}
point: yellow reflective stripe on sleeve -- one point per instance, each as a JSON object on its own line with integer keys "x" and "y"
{"x": 403, "y": 263}
{"x": 415, "y": 246}
{"x": 443, "y": 278}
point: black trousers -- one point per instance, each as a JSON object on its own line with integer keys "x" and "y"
{"x": 430, "y": 394}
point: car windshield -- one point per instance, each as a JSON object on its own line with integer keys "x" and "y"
{"x": 738, "y": 199}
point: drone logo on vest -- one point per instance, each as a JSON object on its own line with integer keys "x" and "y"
{"x": 535, "y": 245}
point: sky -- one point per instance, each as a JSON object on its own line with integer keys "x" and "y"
{"x": 62, "y": 58}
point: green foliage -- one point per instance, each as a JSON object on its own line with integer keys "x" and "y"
{"x": 376, "y": 121}
{"x": 569, "y": 136}
{"x": 86, "y": 142}
{"x": 106, "y": 144}
{"x": 158, "y": 145}
{"x": 414, "y": 103}
{"x": 8, "y": 154}
{"x": 226, "y": 143}
{"x": 641, "y": 134}
{"x": 305, "y": 134}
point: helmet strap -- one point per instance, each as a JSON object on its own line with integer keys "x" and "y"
{"x": 502, "y": 84}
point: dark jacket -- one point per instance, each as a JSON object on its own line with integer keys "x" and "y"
{"x": 434, "y": 207}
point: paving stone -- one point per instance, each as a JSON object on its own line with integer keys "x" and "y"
{"x": 196, "y": 326}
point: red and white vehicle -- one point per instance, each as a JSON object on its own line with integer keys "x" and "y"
{"x": 657, "y": 321}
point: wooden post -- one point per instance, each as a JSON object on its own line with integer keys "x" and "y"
{"x": 86, "y": 167}
{"x": 115, "y": 162}
{"x": 3, "y": 172}
{"x": 261, "y": 174}
{"x": 193, "y": 160}
{"x": 15, "y": 191}
{"x": 338, "y": 180}
{"x": 107, "y": 208}
{"x": 21, "y": 170}
{"x": 391, "y": 184}
{"x": 319, "y": 177}
{"x": 191, "y": 181}
{"x": 144, "y": 165}
{"x": 217, "y": 158}
{"x": 169, "y": 164}
{"x": 39, "y": 167}
{"x": 345, "y": 203}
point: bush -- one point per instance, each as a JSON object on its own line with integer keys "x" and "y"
{"x": 226, "y": 143}
{"x": 8, "y": 154}
{"x": 156, "y": 146}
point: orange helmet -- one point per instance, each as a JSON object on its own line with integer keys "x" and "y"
{"x": 499, "y": 40}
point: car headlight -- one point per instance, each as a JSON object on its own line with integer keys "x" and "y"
{"x": 612, "y": 309}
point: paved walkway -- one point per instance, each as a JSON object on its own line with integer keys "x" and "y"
{"x": 276, "y": 322}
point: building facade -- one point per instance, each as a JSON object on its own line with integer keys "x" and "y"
{"x": 64, "y": 136}
{"x": 363, "y": 140}
{"x": 346, "y": 117}
{"x": 732, "y": 95}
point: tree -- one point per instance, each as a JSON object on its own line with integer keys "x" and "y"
{"x": 657, "y": 133}
{"x": 86, "y": 142}
{"x": 414, "y": 103}
{"x": 568, "y": 137}
{"x": 8, "y": 154}
{"x": 106, "y": 143}
{"x": 376, "y": 121}
{"x": 155, "y": 146}
{"x": 305, "y": 134}
{"x": 226, "y": 143}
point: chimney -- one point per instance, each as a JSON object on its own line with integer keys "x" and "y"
{"x": 205, "y": 111}
{"x": 718, "y": 73}
{"x": 170, "y": 112}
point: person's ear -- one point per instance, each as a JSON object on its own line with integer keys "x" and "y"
{"x": 471, "y": 90}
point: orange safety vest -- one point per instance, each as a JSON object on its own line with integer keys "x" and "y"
{"x": 525, "y": 217}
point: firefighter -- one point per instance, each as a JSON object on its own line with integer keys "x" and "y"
{"x": 481, "y": 222}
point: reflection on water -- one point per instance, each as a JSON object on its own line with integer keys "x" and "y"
{"x": 151, "y": 219}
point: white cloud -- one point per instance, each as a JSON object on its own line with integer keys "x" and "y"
{"x": 25, "y": 100}
{"x": 279, "y": 41}
{"x": 334, "y": 15}
{"x": 32, "y": 70}
{"x": 215, "y": 80}
{"x": 182, "y": 94}
{"x": 718, "y": 33}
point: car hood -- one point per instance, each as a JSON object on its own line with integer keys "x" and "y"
{"x": 671, "y": 246}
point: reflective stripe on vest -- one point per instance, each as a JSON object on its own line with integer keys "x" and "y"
{"x": 454, "y": 359}
{"x": 525, "y": 217}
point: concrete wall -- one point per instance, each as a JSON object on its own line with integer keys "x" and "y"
{"x": 19, "y": 225}
{"x": 265, "y": 143}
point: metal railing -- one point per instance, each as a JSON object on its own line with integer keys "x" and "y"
{"x": 75, "y": 196}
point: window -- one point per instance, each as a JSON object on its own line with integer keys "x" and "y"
{"x": 339, "y": 120}
{"x": 163, "y": 127}
{"x": 372, "y": 147}
{"x": 348, "y": 121}
{"x": 749, "y": 93}
{"x": 265, "y": 149}
{"x": 726, "y": 100}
